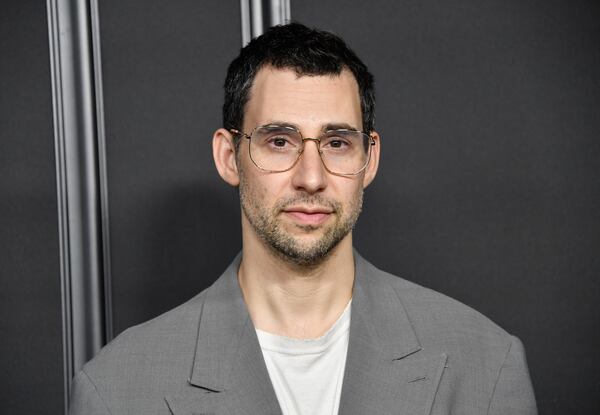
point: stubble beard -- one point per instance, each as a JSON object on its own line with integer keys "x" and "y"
{"x": 269, "y": 227}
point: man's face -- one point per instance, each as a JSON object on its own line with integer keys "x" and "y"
{"x": 303, "y": 213}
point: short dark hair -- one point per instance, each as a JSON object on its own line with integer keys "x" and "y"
{"x": 307, "y": 51}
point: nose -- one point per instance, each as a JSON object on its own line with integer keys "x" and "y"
{"x": 309, "y": 174}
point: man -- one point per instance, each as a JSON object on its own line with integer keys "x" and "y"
{"x": 300, "y": 323}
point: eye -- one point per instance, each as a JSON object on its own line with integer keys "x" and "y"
{"x": 278, "y": 141}
{"x": 337, "y": 143}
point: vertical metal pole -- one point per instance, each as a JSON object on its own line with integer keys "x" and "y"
{"x": 81, "y": 181}
{"x": 102, "y": 170}
{"x": 259, "y": 15}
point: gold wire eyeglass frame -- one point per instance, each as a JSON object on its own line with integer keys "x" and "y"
{"x": 304, "y": 139}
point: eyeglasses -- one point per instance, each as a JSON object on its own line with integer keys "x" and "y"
{"x": 276, "y": 149}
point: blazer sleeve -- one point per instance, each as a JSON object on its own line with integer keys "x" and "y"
{"x": 85, "y": 399}
{"x": 513, "y": 393}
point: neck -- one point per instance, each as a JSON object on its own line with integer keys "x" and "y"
{"x": 290, "y": 300}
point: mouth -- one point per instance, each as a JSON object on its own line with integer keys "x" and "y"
{"x": 308, "y": 216}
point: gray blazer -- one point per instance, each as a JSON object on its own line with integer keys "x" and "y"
{"x": 412, "y": 351}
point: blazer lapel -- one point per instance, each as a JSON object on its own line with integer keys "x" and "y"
{"x": 229, "y": 375}
{"x": 386, "y": 370}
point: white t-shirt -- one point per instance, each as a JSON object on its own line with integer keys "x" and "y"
{"x": 307, "y": 374}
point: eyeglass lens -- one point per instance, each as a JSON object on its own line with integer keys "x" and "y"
{"x": 277, "y": 148}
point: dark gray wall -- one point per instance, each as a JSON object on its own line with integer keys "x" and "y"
{"x": 173, "y": 224}
{"x": 30, "y": 303}
{"x": 489, "y": 187}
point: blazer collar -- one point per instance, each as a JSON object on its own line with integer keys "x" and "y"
{"x": 228, "y": 371}
{"x": 224, "y": 329}
{"x": 379, "y": 313}
{"x": 384, "y": 374}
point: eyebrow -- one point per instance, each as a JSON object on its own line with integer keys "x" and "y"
{"x": 326, "y": 127}
{"x": 340, "y": 126}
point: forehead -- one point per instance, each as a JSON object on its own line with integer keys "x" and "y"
{"x": 306, "y": 101}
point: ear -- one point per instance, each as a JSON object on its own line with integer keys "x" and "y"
{"x": 371, "y": 170}
{"x": 224, "y": 155}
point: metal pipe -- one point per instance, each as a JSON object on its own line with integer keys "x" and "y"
{"x": 81, "y": 184}
{"x": 258, "y": 15}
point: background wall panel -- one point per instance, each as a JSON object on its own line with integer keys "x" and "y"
{"x": 174, "y": 224}
{"x": 30, "y": 301}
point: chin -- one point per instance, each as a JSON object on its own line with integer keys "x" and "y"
{"x": 307, "y": 251}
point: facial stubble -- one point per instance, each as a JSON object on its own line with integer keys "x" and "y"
{"x": 269, "y": 226}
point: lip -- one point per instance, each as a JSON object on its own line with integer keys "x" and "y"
{"x": 308, "y": 210}
{"x": 310, "y": 216}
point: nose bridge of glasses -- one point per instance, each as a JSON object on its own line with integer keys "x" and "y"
{"x": 302, "y": 151}
{"x": 316, "y": 140}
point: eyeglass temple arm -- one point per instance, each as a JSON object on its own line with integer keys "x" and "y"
{"x": 234, "y": 131}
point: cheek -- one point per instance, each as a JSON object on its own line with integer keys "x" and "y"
{"x": 357, "y": 197}
{"x": 352, "y": 191}
{"x": 257, "y": 194}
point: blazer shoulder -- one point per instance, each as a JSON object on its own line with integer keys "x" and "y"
{"x": 438, "y": 318}
{"x": 482, "y": 357}
{"x": 147, "y": 347}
